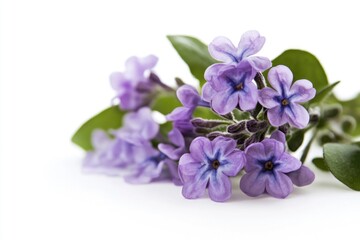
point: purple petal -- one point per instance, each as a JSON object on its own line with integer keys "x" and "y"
{"x": 253, "y": 183}
{"x": 145, "y": 173}
{"x": 180, "y": 113}
{"x": 118, "y": 82}
{"x": 249, "y": 97}
{"x": 279, "y": 185}
{"x": 260, "y": 64}
{"x": 267, "y": 97}
{"x": 302, "y": 177}
{"x": 200, "y": 149}
{"x": 287, "y": 163}
{"x": 253, "y": 153}
{"x": 225, "y": 101}
{"x": 100, "y": 139}
{"x": 136, "y": 67}
{"x": 250, "y": 43}
{"x": 219, "y": 187}
{"x": 223, "y": 145}
{"x": 169, "y": 150}
{"x": 188, "y": 96}
{"x": 273, "y": 148}
{"x": 207, "y": 92}
{"x": 235, "y": 161}
{"x": 176, "y": 137}
{"x": 280, "y": 78}
{"x": 213, "y": 71}
{"x": 297, "y": 115}
{"x": 174, "y": 172}
{"x": 279, "y": 136}
{"x": 302, "y": 91}
{"x": 277, "y": 117}
{"x": 222, "y": 49}
{"x": 195, "y": 188}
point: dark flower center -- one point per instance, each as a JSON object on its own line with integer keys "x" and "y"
{"x": 239, "y": 87}
{"x": 284, "y": 102}
{"x": 215, "y": 164}
{"x": 269, "y": 165}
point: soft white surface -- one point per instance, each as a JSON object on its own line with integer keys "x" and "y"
{"x": 55, "y": 60}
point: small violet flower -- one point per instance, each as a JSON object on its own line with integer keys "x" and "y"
{"x": 138, "y": 126}
{"x": 232, "y": 87}
{"x": 209, "y": 165}
{"x": 134, "y": 87}
{"x": 181, "y": 116}
{"x": 283, "y": 103}
{"x": 222, "y": 49}
{"x": 270, "y": 169}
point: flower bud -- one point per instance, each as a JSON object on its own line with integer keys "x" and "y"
{"x": 203, "y": 123}
{"x": 348, "y": 124}
{"x": 332, "y": 111}
{"x": 255, "y": 126}
{"x": 238, "y": 127}
{"x": 327, "y": 137}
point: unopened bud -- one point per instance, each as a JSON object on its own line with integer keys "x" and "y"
{"x": 326, "y": 138}
{"x": 348, "y": 124}
{"x": 332, "y": 111}
{"x": 203, "y": 123}
{"x": 238, "y": 127}
{"x": 255, "y": 126}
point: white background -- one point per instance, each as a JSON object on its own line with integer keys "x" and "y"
{"x": 55, "y": 60}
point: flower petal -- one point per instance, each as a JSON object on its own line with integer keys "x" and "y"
{"x": 302, "y": 91}
{"x": 176, "y": 137}
{"x": 250, "y": 43}
{"x": 277, "y": 116}
{"x": 232, "y": 163}
{"x": 100, "y": 139}
{"x": 260, "y": 64}
{"x": 201, "y": 149}
{"x": 213, "y": 71}
{"x": 248, "y": 98}
{"x": 253, "y": 154}
{"x": 302, "y": 177}
{"x": 180, "y": 113}
{"x": 223, "y": 145}
{"x": 188, "y": 96}
{"x": 225, "y": 101}
{"x": 195, "y": 188}
{"x": 146, "y": 172}
{"x": 253, "y": 183}
{"x": 273, "y": 149}
{"x": 278, "y": 136}
{"x": 207, "y": 92}
{"x": 267, "y": 97}
{"x": 279, "y": 185}
{"x": 280, "y": 78}
{"x": 219, "y": 187}
{"x": 222, "y": 49}
{"x": 287, "y": 163}
{"x": 297, "y": 115}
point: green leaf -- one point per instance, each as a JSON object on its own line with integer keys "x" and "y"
{"x": 194, "y": 53}
{"x": 304, "y": 65}
{"x": 352, "y": 108}
{"x": 323, "y": 93}
{"x": 320, "y": 164}
{"x": 205, "y": 113}
{"x": 343, "y": 161}
{"x": 296, "y": 140}
{"x": 110, "y": 118}
{"x": 166, "y": 102}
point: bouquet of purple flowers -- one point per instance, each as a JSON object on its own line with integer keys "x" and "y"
{"x": 249, "y": 114}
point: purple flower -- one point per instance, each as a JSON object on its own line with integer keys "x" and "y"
{"x": 112, "y": 156}
{"x": 138, "y": 126}
{"x": 181, "y": 116}
{"x": 176, "y": 148}
{"x": 283, "y": 102}
{"x": 133, "y": 87}
{"x": 300, "y": 177}
{"x": 232, "y": 87}
{"x": 267, "y": 166}
{"x": 222, "y": 49}
{"x": 209, "y": 165}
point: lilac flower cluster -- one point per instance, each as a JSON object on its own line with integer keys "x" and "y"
{"x": 202, "y": 154}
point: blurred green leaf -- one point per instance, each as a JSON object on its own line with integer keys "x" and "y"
{"x": 320, "y": 164}
{"x": 343, "y": 161}
{"x": 166, "y": 102}
{"x": 110, "y": 118}
{"x": 323, "y": 93}
{"x": 296, "y": 140}
{"x": 194, "y": 53}
{"x": 352, "y": 108}
{"x": 304, "y": 65}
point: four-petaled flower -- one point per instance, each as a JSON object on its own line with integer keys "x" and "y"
{"x": 222, "y": 49}
{"x": 267, "y": 166}
{"x": 209, "y": 165}
{"x": 181, "y": 116}
{"x": 283, "y": 102}
{"x": 133, "y": 87}
{"x": 232, "y": 87}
